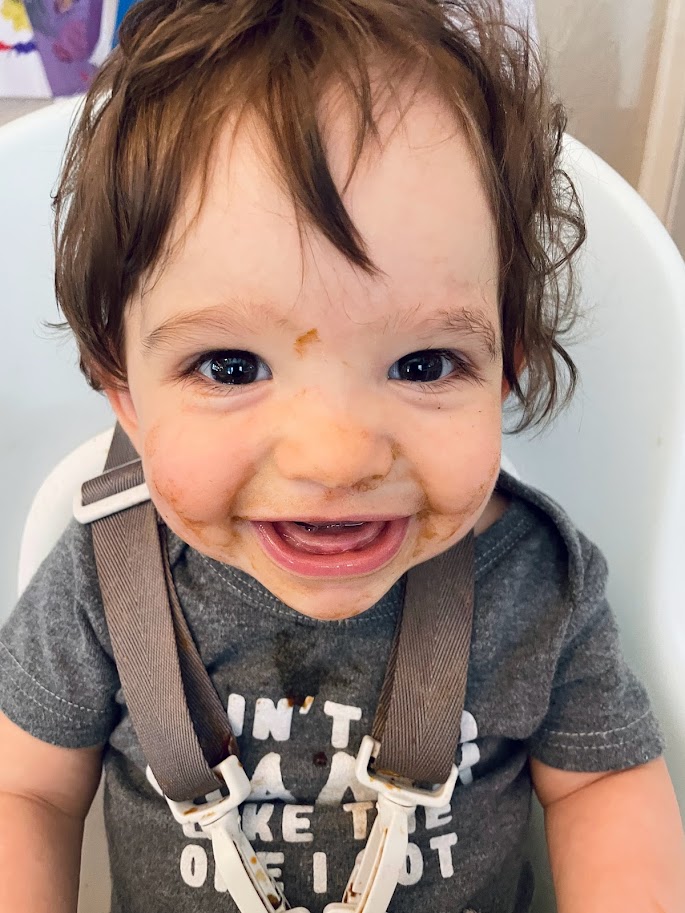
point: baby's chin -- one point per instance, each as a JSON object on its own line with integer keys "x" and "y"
{"x": 334, "y": 610}
{"x": 327, "y": 598}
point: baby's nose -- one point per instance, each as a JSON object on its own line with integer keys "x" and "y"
{"x": 334, "y": 455}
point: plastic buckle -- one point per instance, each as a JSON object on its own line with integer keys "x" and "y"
{"x": 248, "y": 882}
{"x": 374, "y": 879}
{"x": 89, "y": 513}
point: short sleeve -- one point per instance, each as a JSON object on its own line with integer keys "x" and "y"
{"x": 58, "y": 680}
{"x": 599, "y": 716}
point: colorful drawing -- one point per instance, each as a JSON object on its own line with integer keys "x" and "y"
{"x": 65, "y": 34}
{"x": 21, "y": 71}
{"x": 67, "y": 40}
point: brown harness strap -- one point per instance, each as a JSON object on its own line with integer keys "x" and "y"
{"x": 178, "y": 717}
{"x": 418, "y": 718}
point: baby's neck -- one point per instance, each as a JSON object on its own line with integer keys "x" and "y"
{"x": 497, "y": 505}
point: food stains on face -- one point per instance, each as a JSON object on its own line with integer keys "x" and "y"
{"x": 303, "y": 342}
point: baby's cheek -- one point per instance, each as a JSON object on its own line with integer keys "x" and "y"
{"x": 191, "y": 474}
{"x": 459, "y": 473}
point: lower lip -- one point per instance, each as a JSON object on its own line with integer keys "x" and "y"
{"x": 341, "y": 564}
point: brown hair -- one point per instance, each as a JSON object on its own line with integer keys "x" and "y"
{"x": 153, "y": 114}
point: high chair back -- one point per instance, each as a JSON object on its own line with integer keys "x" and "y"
{"x": 46, "y": 407}
{"x": 615, "y": 459}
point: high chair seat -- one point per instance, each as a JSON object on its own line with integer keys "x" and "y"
{"x": 615, "y": 459}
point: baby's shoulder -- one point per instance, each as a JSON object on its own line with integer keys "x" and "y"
{"x": 68, "y": 571}
{"x": 535, "y": 543}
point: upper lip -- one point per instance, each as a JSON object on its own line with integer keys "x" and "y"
{"x": 362, "y": 518}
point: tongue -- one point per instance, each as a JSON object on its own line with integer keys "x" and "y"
{"x": 328, "y": 541}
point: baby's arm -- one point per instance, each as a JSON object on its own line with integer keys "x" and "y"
{"x": 615, "y": 839}
{"x": 45, "y": 794}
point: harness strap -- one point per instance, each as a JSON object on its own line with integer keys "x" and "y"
{"x": 418, "y": 718}
{"x": 178, "y": 717}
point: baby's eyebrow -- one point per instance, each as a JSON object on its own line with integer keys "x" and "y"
{"x": 236, "y": 317}
{"x": 217, "y": 318}
{"x": 472, "y": 322}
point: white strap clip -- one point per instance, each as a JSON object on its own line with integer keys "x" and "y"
{"x": 375, "y": 877}
{"x": 105, "y": 507}
{"x": 248, "y": 882}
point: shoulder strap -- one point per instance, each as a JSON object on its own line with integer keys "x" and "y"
{"x": 181, "y": 723}
{"x": 178, "y": 717}
{"x": 418, "y": 718}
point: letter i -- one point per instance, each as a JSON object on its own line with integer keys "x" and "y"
{"x": 320, "y": 873}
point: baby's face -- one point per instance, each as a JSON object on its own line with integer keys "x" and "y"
{"x": 271, "y": 383}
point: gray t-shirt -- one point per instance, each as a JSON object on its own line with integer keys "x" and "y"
{"x": 546, "y": 678}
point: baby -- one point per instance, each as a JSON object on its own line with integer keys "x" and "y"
{"x": 308, "y": 249}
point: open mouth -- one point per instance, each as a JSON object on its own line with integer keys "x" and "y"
{"x": 332, "y": 549}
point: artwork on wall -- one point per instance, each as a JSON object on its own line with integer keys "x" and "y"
{"x": 53, "y": 47}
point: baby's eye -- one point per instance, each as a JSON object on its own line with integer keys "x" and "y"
{"x": 428, "y": 366}
{"x": 233, "y": 368}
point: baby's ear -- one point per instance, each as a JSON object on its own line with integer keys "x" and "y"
{"x": 121, "y": 402}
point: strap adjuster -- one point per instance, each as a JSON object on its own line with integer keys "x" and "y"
{"x": 248, "y": 882}
{"x": 374, "y": 879}
{"x": 402, "y": 795}
{"x": 105, "y": 507}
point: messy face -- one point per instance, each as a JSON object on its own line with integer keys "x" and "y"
{"x": 319, "y": 428}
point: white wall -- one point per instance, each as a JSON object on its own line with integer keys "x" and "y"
{"x": 603, "y": 60}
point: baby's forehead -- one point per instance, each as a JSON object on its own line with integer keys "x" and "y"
{"x": 407, "y": 118}
{"x": 415, "y": 199}
{"x": 409, "y": 112}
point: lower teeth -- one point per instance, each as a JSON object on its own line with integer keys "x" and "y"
{"x": 312, "y": 529}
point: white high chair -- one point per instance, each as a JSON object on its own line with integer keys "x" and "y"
{"x": 615, "y": 459}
